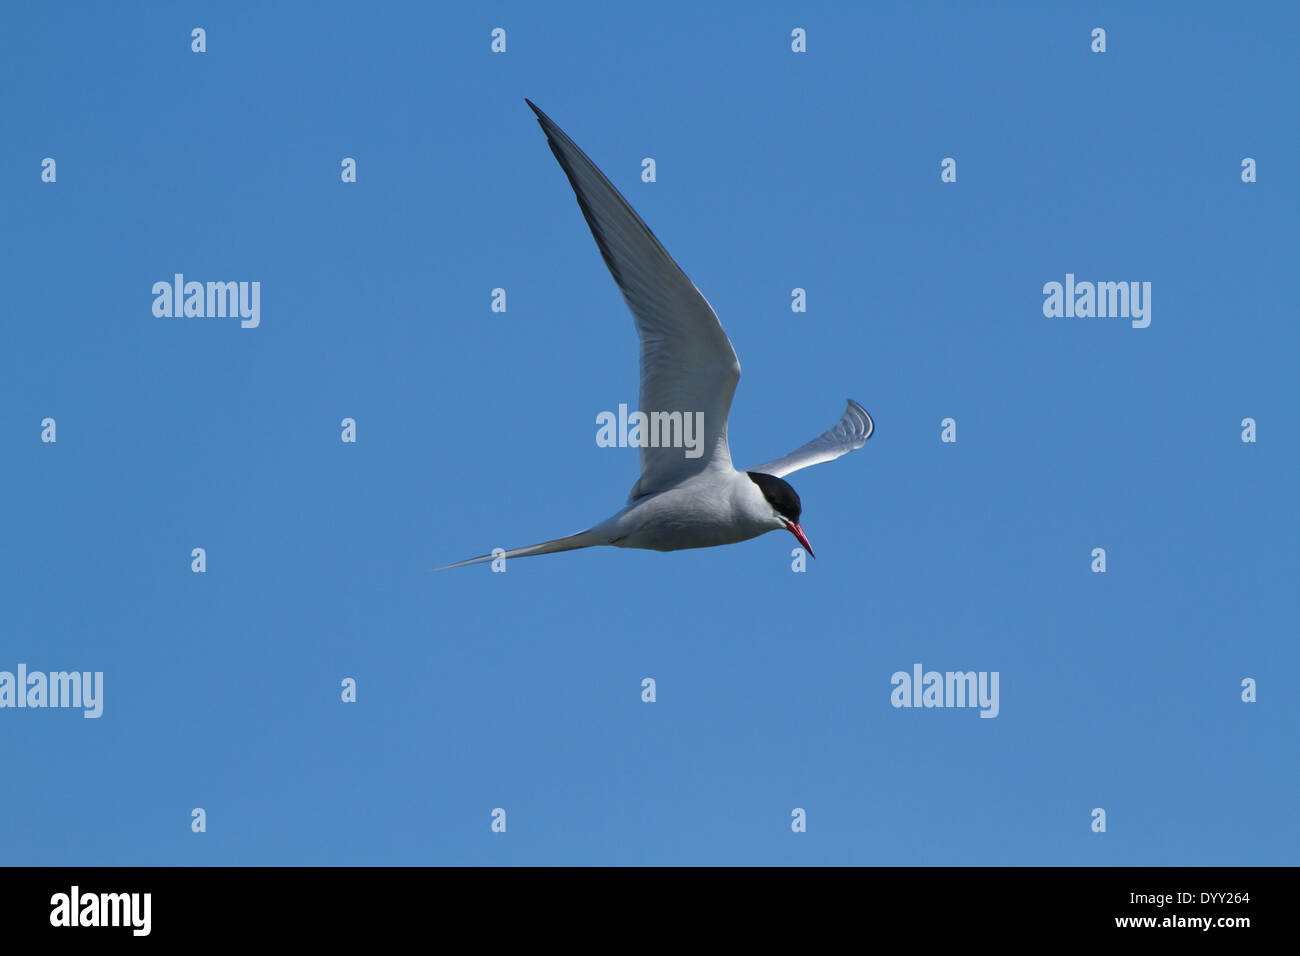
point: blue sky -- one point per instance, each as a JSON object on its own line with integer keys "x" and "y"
{"x": 476, "y": 429}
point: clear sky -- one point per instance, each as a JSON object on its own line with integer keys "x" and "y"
{"x": 475, "y": 429}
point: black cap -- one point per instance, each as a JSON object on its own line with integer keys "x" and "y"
{"x": 779, "y": 495}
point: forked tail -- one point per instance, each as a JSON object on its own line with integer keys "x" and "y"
{"x": 583, "y": 539}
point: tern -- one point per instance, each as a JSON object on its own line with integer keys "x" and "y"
{"x": 687, "y": 366}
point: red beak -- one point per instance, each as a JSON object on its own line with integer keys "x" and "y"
{"x": 797, "y": 531}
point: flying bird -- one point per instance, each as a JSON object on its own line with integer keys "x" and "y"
{"x": 687, "y": 366}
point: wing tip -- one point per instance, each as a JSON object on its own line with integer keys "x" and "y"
{"x": 871, "y": 423}
{"x": 545, "y": 121}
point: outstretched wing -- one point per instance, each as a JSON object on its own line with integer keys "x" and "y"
{"x": 850, "y": 432}
{"x": 687, "y": 362}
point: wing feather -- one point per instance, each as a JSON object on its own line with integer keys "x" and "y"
{"x": 687, "y": 362}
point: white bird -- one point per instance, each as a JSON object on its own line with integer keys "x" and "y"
{"x": 687, "y": 366}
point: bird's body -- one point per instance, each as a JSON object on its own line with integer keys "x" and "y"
{"x": 704, "y": 511}
{"x": 688, "y": 367}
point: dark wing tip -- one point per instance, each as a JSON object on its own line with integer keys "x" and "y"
{"x": 559, "y": 141}
{"x": 542, "y": 118}
{"x": 553, "y": 134}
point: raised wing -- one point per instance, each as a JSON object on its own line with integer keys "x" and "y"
{"x": 850, "y": 432}
{"x": 687, "y": 362}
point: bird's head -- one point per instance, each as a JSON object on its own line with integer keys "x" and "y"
{"x": 786, "y": 508}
